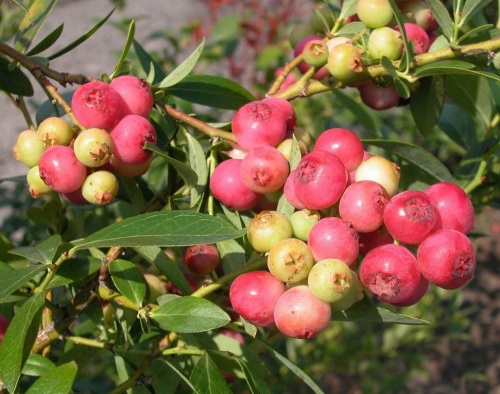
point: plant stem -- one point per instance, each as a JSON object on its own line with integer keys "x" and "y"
{"x": 21, "y": 104}
{"x": 478, "y": 178}
{"x": 117, "y": 298}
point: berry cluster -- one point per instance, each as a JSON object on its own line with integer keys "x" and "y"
{"x": 82, "y": 165}
{"x": 348, "y": 210}
{"x": 346, "y": 59}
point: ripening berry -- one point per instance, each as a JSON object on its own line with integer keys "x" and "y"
{"x": 4, "y": 324}
{"x": 344, "y": 144}
{"x": 385, "y": 41}
{"x": 379, "y": 97}
{"x": 354, "y": 295}
{"x": 302, "y": 222}
{"x": 93, "y": 147}
{"x": 418, "y": 36}
{"x": 290, "y": 260}
{"x": 136, "y": 96}
{"x": 259, "y": 124}
{"x": 61, "y": 170}
{"x": 419, "y": 13}
{"x": 129, "y": 136}
{"x": 37, "y": 186}
{"x": 268, "y": 228}
{"x": 330, "y": 280}
{"x": 345, "y": 63}
{"x": 371, "y": 240}
{"x": 100, "y": 187}
{"x": 289, "y": 192}
{"x": 201, "y": 260}
{"x": 380, "y": 170}
{"x": 303, "y": 66}
{"x": 96, "y": 104}
{"x": 55, "y": 131}
{"x": 288, "y": 112}
{"x": 417, "y": 294}
{"x": 315, "y": 53}
{"x": 128, "y": 170}
{"x": 28, "y": 148}
{"x": 374, "y": 13}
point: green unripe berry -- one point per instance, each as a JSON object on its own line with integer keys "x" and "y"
{"x": 268, "y": 228}
{"x": 374, "y": 13}
{"x": 315, "y": 53}
{"x": 55, "y": 131}
{"x": 37, "y": 186}
{"x": 100, "y": 187}
{"x": 290, "y": 260}
{"x": 302, "y": 222}
{"x": 330, "y": 280}
{"x": 353, "y": 296}
{"x": 28, "y": 148}
{"x": 93, "y": 147}
{"x": 344, "y": 62}
{"x": 385, "y": 41}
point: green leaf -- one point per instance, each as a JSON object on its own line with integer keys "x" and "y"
{"x": 46, "y": 110}
{"x": 184, "y": 171}
{"x": 470, "y": 8}
{"x": 57, "y": 381}
{"x": 19, "y": 339}
{"x": 190, "y": 314}
{"x": 472, "y": 94}
{"x": 47, "y": 42}
{"x": 348, "y": 9}
{"x": 179, "y": 374}
{"x": 13, "y": 280}
{"x": 292, "y": 367}
{"x": 442, "y": 17}
{"x": 165, "y": 379}
{"x": 14, "y": 81}
{"x": 386, "y": 63}
{"x": 408, "y": 45}
{"x": 351, "y": 29}
{"x": 250, "y": 329}
{"x": 81, "y": 39}
{"x": 255, "y": 382}
{"x": 402, "y": 88}
{"x": 458, "y": 126}
{"x": 214, "y": 91}
{"x": 128, "y": 280}
{"x": 232, "y": 255}
{"x": 133, "y": 190}
{"x": 198, "y": 163}
{"x": 37, "y": 365}
{"x": 44, "y": 251}
{"x": 74, "y": 269}
{"x": 427, "y": 103}
{"x": 183, "y": 69}
{"x": 167, "y": 228}
{"x": 32, "y": 22}
{"x": 207, "y": 379}
{"x": 415, "y": 155}
{"x": 366, "y": 312}
{"x": 226, "y": 28}
{"x": 126, "y": 48}
{"x": 452, "y": 67}
{"x": 19, "y": 4}
{"x": 166, "y": 266}
{"x": 146, "y": 62}
{"x": 475, "y": 31}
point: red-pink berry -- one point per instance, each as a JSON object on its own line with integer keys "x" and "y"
{"x": 288, "y": 112}
{"x": 299, "y": 314}
{"x": 344, "y": 144}
{"x": 258, "y": 124}
{"x": 420, "y": 38}
{"x": 289, "y": 192}
{"x": 60, "y": 169}
{"x": 4, "y": 324}
{"x": 254, "y": 295}
{"x": 333, "y": 238}
{"x": 379, "y": 97}
{"x": 390, "y": 273}
{"x": 227, "y": 187}
{"x": 454, "y": 206}
{"x": 320, "y": 180}
{"x": 417, "y": 294}
{"x": 447, "y": 258}
{"x": 264, "y": 170}
{"x": 201, "y": 260}
{"x": 411, "y": 216}
{"x": 129, "y": 136}
{"x": 96, "y": 104}
{"x": 136, "y": 96}
{"x": 374, "y": 239}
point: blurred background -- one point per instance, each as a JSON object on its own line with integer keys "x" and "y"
{"x": 247, "y": 41}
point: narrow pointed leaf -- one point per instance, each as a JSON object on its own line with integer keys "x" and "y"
{"x": 408, "y": 52}
{"x": 44, "y": 251}
{"x": 81, "y": 39}
{"x": 292, "y": 367}
{"x": 183, "y": 69}
{"x": 457, "y": 125}
{"x": 190, "y": 314}
{"x": 166, "y": 266}
{"x": 198, "y": 163}
{"x": 366, "y": 118}
{"x": 232, "y": 255}
{"x": 37, "y": 365}
{"x": 256, "y": 384}
{"x": 184, "y": 171}
{"x": 470, "y": 8}
{"x": 207, "y": 378}
{"x": 348, "y": 9}
{"x": 19, "y": 339}
{"x": 47, "y": 42}
{"x": 128, "y": 280}
{"x": 214, "y": 91}
{"x": 415, "y": 155}
{"x": 442, "y": 16}
{"x": 19, "y": 4}
{"x": 57, "y": 381}
{"x": 165, "y": 379}
{"x": 147, "y": 62}
{"x": 126, "y": 48}
{"x": 32, "y": 22}
{"x": 167, "y": 228}
{"x": 452, "y": 67}
{"x": 13, "y": 280}
{"x": 427, "y": 103}
{"x": 15, "y": 81}
{"x": 366, "y": 312}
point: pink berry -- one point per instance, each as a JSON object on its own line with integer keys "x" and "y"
{"x": 333, "y": 238}
{"x": 96, "y": 104}
{"x": 227, "y": 187}
{"x": 135, "y": 94}
{"x": 259, "y": 124}
{"x": 454, "y": 206}
{"x": 264, "y": 170}
{"x": 75, "y": 197}
{"x": 363, "y": 205}
{"x": 253, "y": 295}
{"x": 411, "y": 216}
{"x": 379, "y": 97}
{"x": 344, "y": 144}
{"x": 201, "y": 260}
{"x": 237, "y": 152}
{"x": 320, "y": 180}
{"x": 288, "y": 112}
{"x": 193, "y": 284}
{"x": 289, "y": 192}
{"x": 390, "y": 273}
{"x": 419, "y": 37}
{"x": 125, "y": 169}
{"x": 298, "y": 314}
{"x": 371, "y": 240}
{"x": 129, "y": 136}
{"x": 417, "y": 294}
{"x": 61, "y": 170}
{"x": 303, "y": 66}
{"x": 447, "y": 259}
